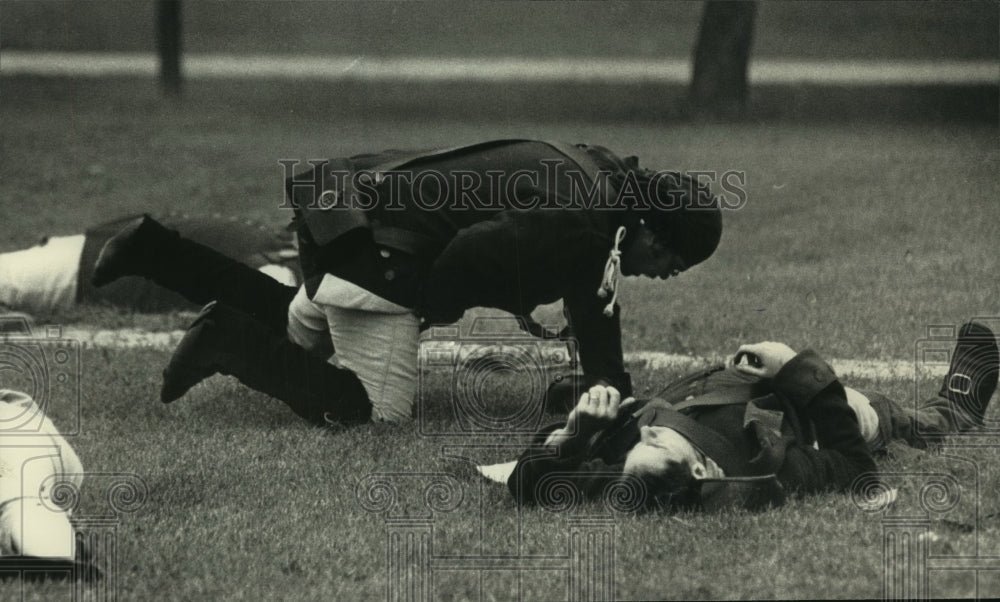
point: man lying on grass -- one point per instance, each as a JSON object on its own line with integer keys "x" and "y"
{"x": 56, "y": 273}
{"x": 780, "y": 422}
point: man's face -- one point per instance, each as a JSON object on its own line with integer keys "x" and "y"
{"x": 658, "y": 448}
{"x": 644, "y": 255}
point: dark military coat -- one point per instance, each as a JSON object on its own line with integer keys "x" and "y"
{"x": 503, "y": 224}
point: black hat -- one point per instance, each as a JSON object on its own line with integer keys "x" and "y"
{"x": 680, "y": 210}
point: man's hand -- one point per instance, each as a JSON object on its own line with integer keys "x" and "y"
{"x": 762, "y": 359}
{"x": 596, "y": 409}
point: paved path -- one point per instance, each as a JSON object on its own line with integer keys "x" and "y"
{"x": 655, "y": 360}
{"x": 498, "y": 69}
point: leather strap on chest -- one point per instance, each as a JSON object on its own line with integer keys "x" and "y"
{"x": 739, "y": 394}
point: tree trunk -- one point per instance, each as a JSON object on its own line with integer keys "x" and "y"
{"x": 721, "y": 58}
{"x": 168, "y": 44}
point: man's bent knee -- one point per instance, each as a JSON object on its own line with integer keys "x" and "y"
{"x": 307, "y": 325}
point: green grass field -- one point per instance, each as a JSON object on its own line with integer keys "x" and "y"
{"x": 840, "y": 30}
{"x": 855, "y": 237}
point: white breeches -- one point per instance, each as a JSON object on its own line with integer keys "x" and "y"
{"x": 374, "y": 338}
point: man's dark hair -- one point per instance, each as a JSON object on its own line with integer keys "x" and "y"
{"x": 674, "y": 489}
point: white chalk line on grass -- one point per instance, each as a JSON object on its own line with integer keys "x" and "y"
{"x": 495, "y": 69}
{"x": 654, "y": 360}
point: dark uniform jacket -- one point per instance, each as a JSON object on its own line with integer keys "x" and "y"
{"x": 772, "y": 433}
{"x": 486, "y": 225}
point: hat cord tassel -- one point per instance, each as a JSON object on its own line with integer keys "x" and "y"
{"x": 612, "y": 273}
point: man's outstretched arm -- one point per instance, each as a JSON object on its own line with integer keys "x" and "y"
{"x": 516, "y": 261}
{"x": 811, "y": 386}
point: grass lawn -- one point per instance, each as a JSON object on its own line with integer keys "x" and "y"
{"x": 854, "y": 238}
{"x": 247, "y": 502}
{"x": 858, "y": 29}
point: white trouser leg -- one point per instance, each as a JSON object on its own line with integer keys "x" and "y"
{"x": 381, "y": 349}
{"x": 35, "y": 459}
{"x": 307, "y": 326}
{"x": 280, "y": 273}
{"x": 374, "y": 338}
{"x": 30, "y": 527}
{"x": 867, "y": 418}
{"x": 43, "y": 278}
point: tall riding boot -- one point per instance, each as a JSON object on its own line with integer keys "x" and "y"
{"x": 227, "y": 341}
{"x": 199, "y": 273}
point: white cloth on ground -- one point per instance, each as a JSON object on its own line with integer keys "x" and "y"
{"x": 34, "y": 460}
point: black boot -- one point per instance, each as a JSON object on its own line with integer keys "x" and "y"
{"x": 972, "y": 376}
{"x": 199, "y": 273}
{"x": 122, "y": 254}
{"x": 227, "y": 341}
